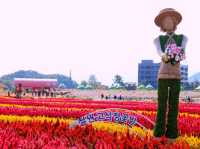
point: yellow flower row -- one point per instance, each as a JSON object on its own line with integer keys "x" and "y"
{"x": 194, "y": 142}
{"x": 79, "y": 109}
{"x": 14, "y": 118}
{"x": 121, "y": 128}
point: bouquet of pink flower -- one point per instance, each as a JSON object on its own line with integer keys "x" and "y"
{"x": 174, "y": 53}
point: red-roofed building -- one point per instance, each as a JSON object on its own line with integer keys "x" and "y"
{"x": 31, "y": 83}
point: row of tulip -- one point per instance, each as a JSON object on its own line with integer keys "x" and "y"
{"x": 77, "y": 103}
{"x": 188, "y": 123}
{"x": 64, "y": 100}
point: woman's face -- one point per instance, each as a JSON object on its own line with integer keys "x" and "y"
{"x": 168, "y": 24}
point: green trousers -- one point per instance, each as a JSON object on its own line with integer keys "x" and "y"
{"x": 167, "y": 112}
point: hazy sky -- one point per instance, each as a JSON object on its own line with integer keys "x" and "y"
{"x": 104, "y": 37}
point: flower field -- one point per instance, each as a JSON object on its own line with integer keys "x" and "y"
{"x": 45, "y": 124}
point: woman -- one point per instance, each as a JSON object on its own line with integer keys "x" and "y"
{"x": 169, "y": 76}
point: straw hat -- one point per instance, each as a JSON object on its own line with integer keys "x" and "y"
{"x": 168, "y": 12}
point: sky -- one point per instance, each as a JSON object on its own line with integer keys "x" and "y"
{"x": 104, "y": 37}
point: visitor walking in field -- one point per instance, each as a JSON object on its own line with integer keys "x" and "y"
{"x": 18, "y": 91}
{"x": 171, "y": 48}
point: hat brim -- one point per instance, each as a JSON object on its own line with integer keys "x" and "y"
{"x": 175, "y": 14}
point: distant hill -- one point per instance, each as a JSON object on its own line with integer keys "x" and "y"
{"x": 62, "y": 79}
{"x": 195, "y": 77}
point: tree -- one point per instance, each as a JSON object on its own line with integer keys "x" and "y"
{"x": 118, "y": 80}
{"x": 84, "y": 83}
{"x": 93, "y": 81}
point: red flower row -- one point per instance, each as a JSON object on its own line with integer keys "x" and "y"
{"x": 188, "y": 124}
{"x": 37, "y": 135}
{"x": 91, "y": 104}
